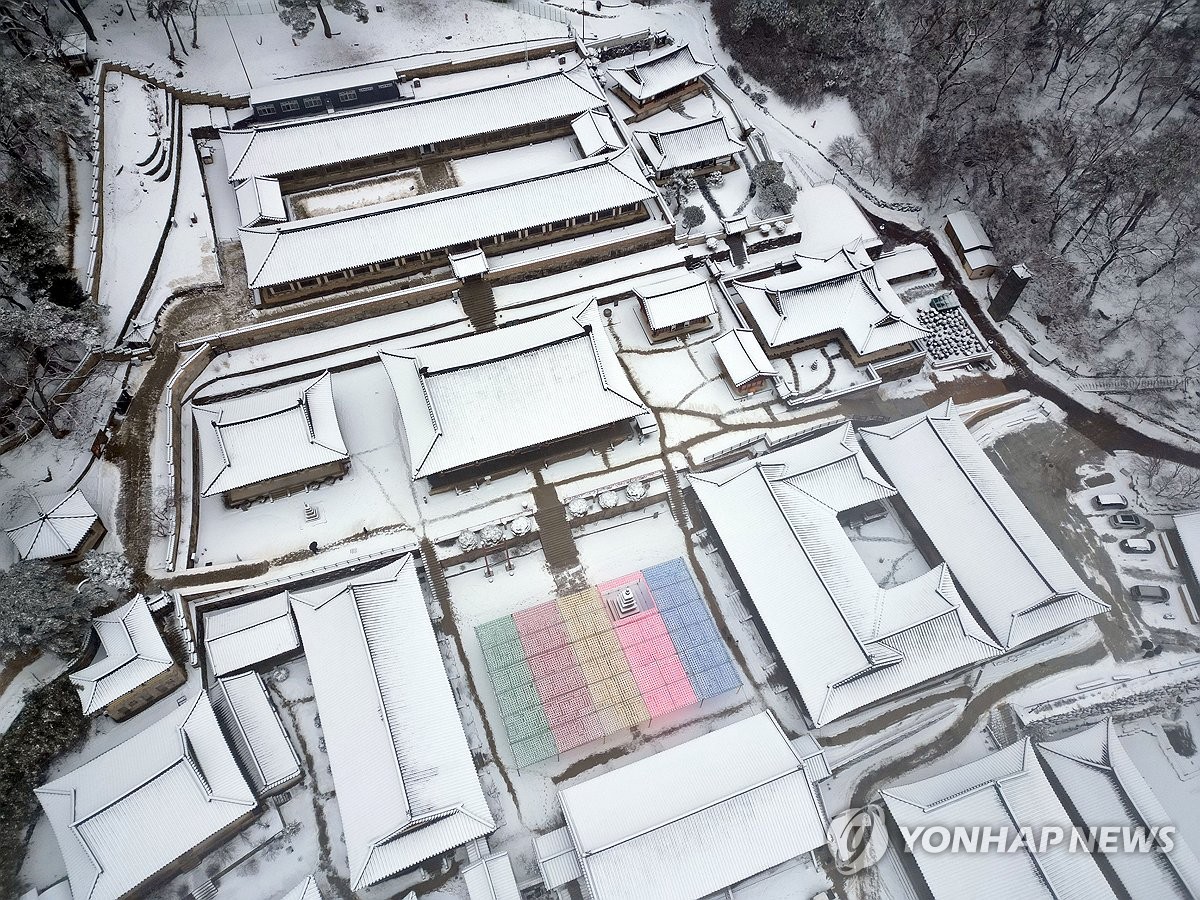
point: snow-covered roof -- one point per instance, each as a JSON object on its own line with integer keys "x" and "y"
{"x": 321, "y": 83}
{"x": 741, "y": 356}
{"x": 846, "y": 641}
{"x": 255, "y": 731}
{"x": 1007, "y": 789}
{"x": 277, "y": 432}
{"x": 905, "y": 262}
{"x": 659, "y": 72}
{"x": 1187, "y": 525}
{"x": 840, "y": 293}
{"x": 1104, "y": 787}
{"x": 465, "y": 265}
{"x": 677, "y": 148}
{"x": 969, "y": 230}
{"x": 305, "y": 890}
{"x": 974, "y": 241}
{"x": 491, "y": 878}
{"x": 132, "y": 653}
{"x": 556, "y": 858}
{"x": 1011, "y": 572}
{"x": 828, "y": 219}
{"x": 596, "y": 133}
{"x": 981, "y": 257}
{"x": 54, "y": 526}
{"x": 260, "y": 200}
{"x": 476, "y": 398}
{"x": 311, "y": 143}
{"x": 135, "y": 809}
{"x": 241, "y": 636}
{"x": 406, "y": 784}
{"x": 74, "y": 44}
{"x": 696, "y": 818}
{"x": 345, "y": 240}
{"x": 676, "y": 299}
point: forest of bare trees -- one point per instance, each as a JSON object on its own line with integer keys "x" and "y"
{"x": 47, "y": 323}
{"x": 1071, "y": 126}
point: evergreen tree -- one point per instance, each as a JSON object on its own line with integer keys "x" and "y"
{"x": 301, "y": 15}
{"x": 44, "y": 611}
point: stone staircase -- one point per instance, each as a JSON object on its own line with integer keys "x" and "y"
{"x": 737, "y": 250}
{"x": 675, "y": 501}
{"x": 435, "y": 574}
{"x": 479, "y": 303}
{"x": 557, "y": 541}
{"x": 1131, "y": 384}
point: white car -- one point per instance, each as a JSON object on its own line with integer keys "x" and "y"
{"x": 1110, "y": 501}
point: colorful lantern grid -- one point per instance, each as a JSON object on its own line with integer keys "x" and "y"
{"x": 570, "y": 671}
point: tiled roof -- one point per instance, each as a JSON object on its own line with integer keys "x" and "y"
{"x": 596, "y": 133}
{"x": 691, "y": 820}
{"x": 475, "y": 398}
{"x": 313, "y": 143}
{"x": 1010, "y": 571}
{"x": 742, "y": 357}
{"x": 134, "y": 653}
{"x": 846, "y": 641}
{"x": 54, "y": 527}
{"x": 659, "y": 72}
{"x": 241, "y": 636}
{"x": 491, "y": 878}
{"x": 678, "y": 148}
{"x": 345, "y": 240}
{"x": 674, "y": 300}
{"x": 1007, "y": 789}
{"x": 255, "y": 731}
{"x": 406, "y": 784}
{"x": 132, "y": 811}
{"x": 840, "y": 293}
{"x": 1102, "y": 784}
{"x": 282, "y": 430}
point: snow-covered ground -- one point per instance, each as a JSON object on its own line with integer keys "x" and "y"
{"x": 378, "y": 507}
{"x": 135, "y": 204}
{"x": 238, "y": 52}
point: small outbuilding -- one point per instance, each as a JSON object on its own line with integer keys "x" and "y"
{"x": 260, "y": 202}
{"x": 344, "y": 89}
{"x": 255, "y": 733}
{"x": 61, "y": 528}
{"x": 596, "y": 133}
{"x": 76, "y": 53}
{"x": 971, "y": 243}
{"x": 676, "y": 306}
{"x": 279, "y": 442}
{"x": 666, "y": 76}
{"x": 911, "y": 262}
{"x": 132, "y": 668}
{"x": 702, "y": 147}
{"x": 743, "y": 361}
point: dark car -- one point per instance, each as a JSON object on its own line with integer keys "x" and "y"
{"x": 1110, "y": 501}
{"x": 1137, "y": 545}
{"x": 1127, "y": 520}
{"x": 1150, "y": 593}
